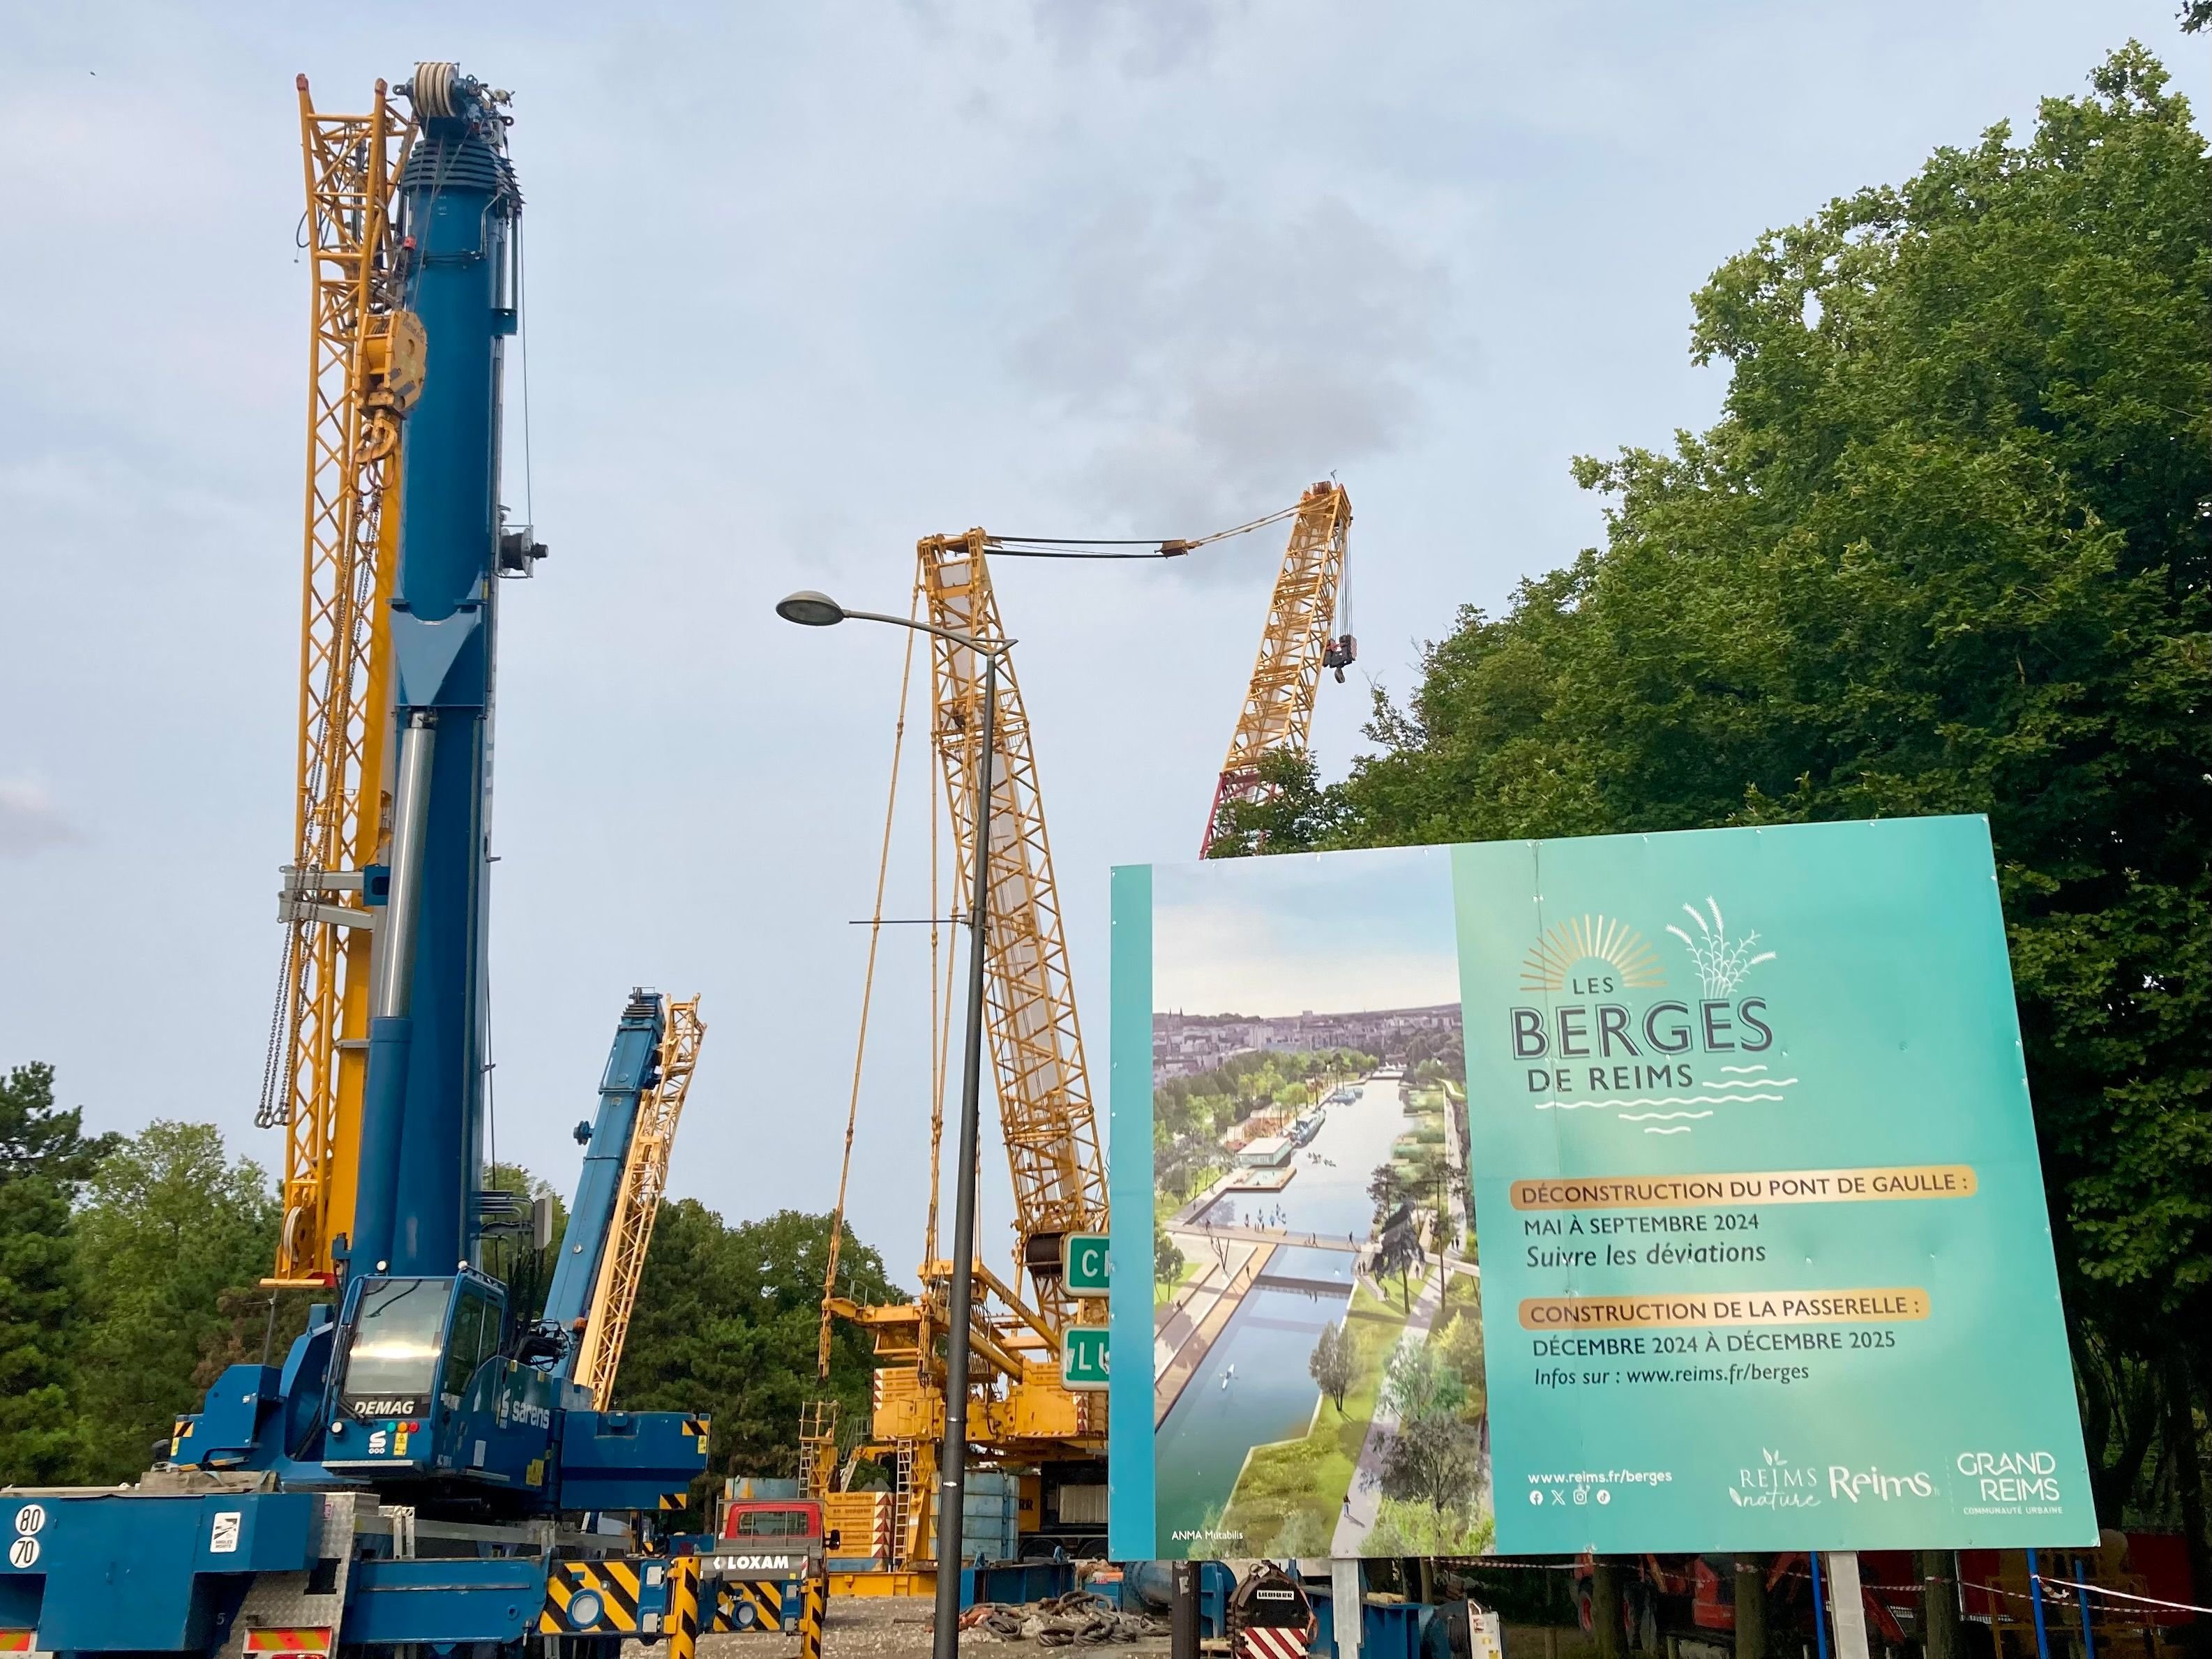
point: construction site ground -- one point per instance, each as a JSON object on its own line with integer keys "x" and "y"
{"x": 886, "y": 1627}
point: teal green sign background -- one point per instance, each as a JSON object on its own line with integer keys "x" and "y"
{"x": 1763, "y": 1255}
{"x": 1854, "y": 1012}
{"x": 1088, "y": 1270}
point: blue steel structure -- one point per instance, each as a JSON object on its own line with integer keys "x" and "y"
{"x": 421, "y": 1468}
{"x": 606, "y": 1155}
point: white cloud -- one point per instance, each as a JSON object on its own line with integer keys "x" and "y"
{"x": 30, "y": 822}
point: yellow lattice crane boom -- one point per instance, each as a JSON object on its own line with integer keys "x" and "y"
{"x": 1019, "y": 1414}
{"x": 1036, "y": 1043}
{"x": 1298, "y": 642}
{"x": 637, "y": 1203}
{"x": 365, "y": 369}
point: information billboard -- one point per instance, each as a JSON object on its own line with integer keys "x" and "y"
{"x": 1653, "y": 1193}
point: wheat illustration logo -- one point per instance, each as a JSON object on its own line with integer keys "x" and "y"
{"x": 1721, "y": 961}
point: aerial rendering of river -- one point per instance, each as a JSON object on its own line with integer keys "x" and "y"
{"x": 1253, "y": 1387}
{"x": 1328, "y": 1195}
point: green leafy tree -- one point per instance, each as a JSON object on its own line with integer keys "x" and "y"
{"x": 1945, "y": 551}
{"x": 1434, "y": 1454}
{"x": 1167, "y": 1256}
{"x": 46, "y": 1158}
{"x": 1296, "y": 810}
{"x": 726, "y": 1322}
{"x": 1334, "y": 1361}
{"x": 169, "y": 1226}
{"x": 1461, "y": 1346}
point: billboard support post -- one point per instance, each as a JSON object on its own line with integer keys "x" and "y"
{"x": 1819, "y": 1605}
{"x": 2081, "y": 1606}
{"x": 1346, "y": 1609}
{"x": 2035, "y": 1599}
{"x": 1847, "y": 1604}
{"x": 1182, "y": 1617}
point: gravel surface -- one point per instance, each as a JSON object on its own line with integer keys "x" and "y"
{"x": 897, "y": 1627}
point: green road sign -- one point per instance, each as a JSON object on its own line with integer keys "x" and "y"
{"x": 1083, "y": 1263}
{"x": 1083, "y": 1358}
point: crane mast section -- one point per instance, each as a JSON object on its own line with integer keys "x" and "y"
{"x": 1037, "y": 1044}
{"x": 365, "y": 370}
{"x": 1278, "y": 713}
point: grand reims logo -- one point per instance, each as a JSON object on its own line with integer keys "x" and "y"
{"x": 1599, "y": 1032}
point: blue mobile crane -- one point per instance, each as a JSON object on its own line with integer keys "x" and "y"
{"x": 426, "y": 1465}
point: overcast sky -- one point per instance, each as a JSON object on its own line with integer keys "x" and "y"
{"x": 1351, "y": 933}
{"x": 806, "y": 282}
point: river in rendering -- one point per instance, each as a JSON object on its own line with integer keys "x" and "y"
{"x": 1253, "y": 1387}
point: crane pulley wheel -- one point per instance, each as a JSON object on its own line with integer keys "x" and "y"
{"x": 431, "y": 89}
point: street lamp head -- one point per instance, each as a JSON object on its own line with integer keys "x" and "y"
{"x": 810, "y": 608}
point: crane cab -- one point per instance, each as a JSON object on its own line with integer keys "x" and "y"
{"x": 421, "y": 1389}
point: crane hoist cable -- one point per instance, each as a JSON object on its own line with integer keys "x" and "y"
{"x": 867, "y": 996}
{"x": 1161, "y": 547}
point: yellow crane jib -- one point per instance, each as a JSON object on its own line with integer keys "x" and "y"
{"x": 1299, "y": 642}
{"x": 366, "y": 367}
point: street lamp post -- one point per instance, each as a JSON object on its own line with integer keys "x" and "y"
{"x": 813, "y": 610}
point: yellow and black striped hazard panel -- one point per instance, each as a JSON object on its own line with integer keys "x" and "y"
{"x": 593, "y": 1598}
{"x": 683, "y": 1623}
{"x": 741, "y": 1604}
{"x": 813, "y": 1608}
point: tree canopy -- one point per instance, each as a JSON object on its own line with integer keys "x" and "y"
{"x": 1944, "y": 551}
{"x": 130, "y": 1272}
{"x": 170, "y": 1225}
{"x": 727, "y": 1321}
{"x": 46, "y": 1158}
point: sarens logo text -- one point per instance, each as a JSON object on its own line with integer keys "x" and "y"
{"x": 1598, "y": 1030}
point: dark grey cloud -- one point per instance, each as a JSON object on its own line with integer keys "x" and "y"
{"x": 1217, "y": 356}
